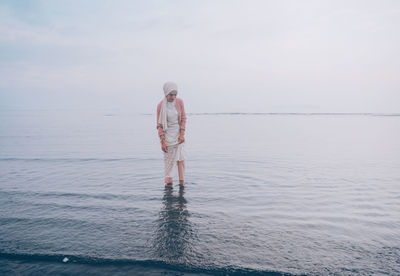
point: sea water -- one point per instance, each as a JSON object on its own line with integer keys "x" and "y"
{"x": 81, "y": 192}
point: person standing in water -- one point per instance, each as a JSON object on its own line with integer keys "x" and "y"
{"x": 171, "y": 122}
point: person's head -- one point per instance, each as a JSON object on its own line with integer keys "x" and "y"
{"x": 170, "y": 91}
{"x": 171, "y": 96}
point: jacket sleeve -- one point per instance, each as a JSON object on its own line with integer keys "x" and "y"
{"x": 159, "y": 126}
{"x": 183, "y": 117}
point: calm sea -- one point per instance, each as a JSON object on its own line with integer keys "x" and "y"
{"x": 81, "y": 192}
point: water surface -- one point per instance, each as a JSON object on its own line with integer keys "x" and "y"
{"x": 265, "y": 193}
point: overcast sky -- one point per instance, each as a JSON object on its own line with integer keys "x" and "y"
{"x": 225, "y": 56}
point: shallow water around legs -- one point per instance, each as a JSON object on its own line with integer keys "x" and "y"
{"x": 265, "y": 193}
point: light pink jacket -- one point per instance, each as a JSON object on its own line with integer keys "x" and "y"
{"x": 181, "y": 116}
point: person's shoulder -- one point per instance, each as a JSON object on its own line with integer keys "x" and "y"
{"x": 179, "y": 100}
{"x": 159, "y": 104}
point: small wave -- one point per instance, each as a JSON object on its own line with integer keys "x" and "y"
{"x": 105, "y": 196}
{"x": 75, "y": 159}
{"x": 160, "y": 264}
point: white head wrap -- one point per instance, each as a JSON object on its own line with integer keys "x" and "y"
{"x": 168, "y": 88}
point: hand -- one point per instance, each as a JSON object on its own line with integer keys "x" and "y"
{"x": 164, "y": 146}
{"x": 181, "y": 139}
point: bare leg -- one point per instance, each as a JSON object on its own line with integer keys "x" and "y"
{"x": 181, "y": 172}
{"x": 168, "y": 182}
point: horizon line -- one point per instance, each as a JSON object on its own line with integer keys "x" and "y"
{"x": 291, "y": 113}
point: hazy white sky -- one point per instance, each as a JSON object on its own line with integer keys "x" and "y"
{"x": 225, "y": 56}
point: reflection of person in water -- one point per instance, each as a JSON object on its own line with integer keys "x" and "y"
{"x": 174, "y": 234}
